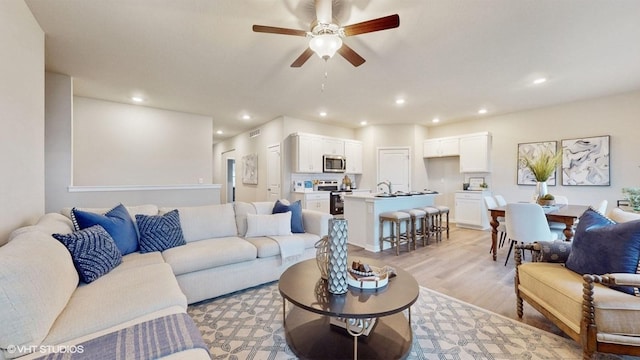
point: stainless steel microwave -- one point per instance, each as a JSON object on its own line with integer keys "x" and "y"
{"x": 334, "y": 164}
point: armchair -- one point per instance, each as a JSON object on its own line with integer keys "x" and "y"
{"x": 585, "y": 307}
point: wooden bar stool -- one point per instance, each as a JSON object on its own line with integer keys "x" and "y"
{"x": 431, "y": 221}
{"x": 396, "y": 236}
{"x": 444, "y": 210}
{"x": 417, "y": 226}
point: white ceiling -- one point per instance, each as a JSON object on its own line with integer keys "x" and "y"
{"x": 448, "y": 58}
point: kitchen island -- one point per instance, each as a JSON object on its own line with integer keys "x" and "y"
{"x": 362, "y": 214}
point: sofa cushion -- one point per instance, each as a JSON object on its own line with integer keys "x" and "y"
{"x": 297, "y": 226}
{"x": 206, "y": 222}
{"x": 147, "y": 209}
{"x": 601, "y": 246}
{"x": 93, "y": 251}
{"x": 268, "y": 247}
{"x": 268, "y": 225}
{"x": 160, "y": 232}
{"x": 117, "y": 222}
{"x": 209, "y": 253}
{"x": 115, "y": 299}
{"x": 37, "y": 279}
{"x": 241, "y": 211}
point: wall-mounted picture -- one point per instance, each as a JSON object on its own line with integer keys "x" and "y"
{"x": 585, "y": 161}
{"x": 532, "y": 151}
{"x": 250, "y": 169}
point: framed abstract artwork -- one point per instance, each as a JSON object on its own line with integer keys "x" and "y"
{"x": 532, "y": 150}
{"x": 250, "y": 169}
{"x": 585, "y": 161}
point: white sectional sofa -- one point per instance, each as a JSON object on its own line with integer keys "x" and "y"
{"x": 44, "y": 307}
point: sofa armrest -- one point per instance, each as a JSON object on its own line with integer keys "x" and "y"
{"x": 316, "y": 222}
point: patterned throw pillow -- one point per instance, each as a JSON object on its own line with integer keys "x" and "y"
{"x": 160, "y": 232}
{"x": 601, "y": 246}
{"x": 93, "y": 251}
{"x": 116, "y": 221}
{"x": 296, "y": 214}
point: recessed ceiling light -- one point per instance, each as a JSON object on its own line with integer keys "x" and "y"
{"x": 435, "y": 120}
{"x": 246, "y": 117}
{"x": 363, "y": 123}
{"x": 219, "y": 132}
{"x": 323, "y": 113}
{"x": 539, "y": 81}
{"x": 400, "y": 101}
{"x": 482, "y": 111}
{"x": 137, "y": 99}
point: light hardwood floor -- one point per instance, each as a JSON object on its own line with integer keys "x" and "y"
{"x": 462, "y": 267}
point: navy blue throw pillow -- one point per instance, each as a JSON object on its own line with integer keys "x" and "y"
{"x": 116, "y": 221}
{"x": 601, "y": 246}
{"x": 93, "y": 251}
{"x": 160, "y": 232}
{"x": 296, "y": 214}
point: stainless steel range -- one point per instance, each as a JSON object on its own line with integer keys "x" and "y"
{"x": 336, "y": 197}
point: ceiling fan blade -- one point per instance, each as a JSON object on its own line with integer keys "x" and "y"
{"x": 350, "y": 55}
{"x": 383, "y": 23}
{"x": 278, "y": 30}
{"x": 302, "y": 58}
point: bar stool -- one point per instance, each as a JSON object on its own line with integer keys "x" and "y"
{"x": 417, "y": 220}
{"x": 431, "y": 221}
{"x": 396, "y": 236}
{"x": 444, "y": 210}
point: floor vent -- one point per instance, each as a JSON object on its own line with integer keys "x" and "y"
{"x": 254, "y": 133}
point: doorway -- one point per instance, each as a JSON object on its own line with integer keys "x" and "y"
{"x": 228, "y": 192}
{"x": 393, "y": 166}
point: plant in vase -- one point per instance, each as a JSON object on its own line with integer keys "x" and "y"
{"x": 542, "y": 167}
{"x": 547, "y": 200}
{"x": 633, "y": 195}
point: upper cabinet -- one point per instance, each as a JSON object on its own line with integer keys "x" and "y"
{"x": 332, "y": 146}
{"x": 441, "y": 147}
{"x": 475, "y": 153}
{"x": 353, "y": 154}
{"x": 307, "y": 153}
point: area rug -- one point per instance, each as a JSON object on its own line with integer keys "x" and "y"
{"x": 248, "y": 325}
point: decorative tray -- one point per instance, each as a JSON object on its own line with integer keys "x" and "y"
{"x": 374, "y": 279}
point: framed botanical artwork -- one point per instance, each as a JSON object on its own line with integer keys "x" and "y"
{"x": 585, "y": 161}
{"x": 250, "y": 169}
{"x": 532, "y": 150}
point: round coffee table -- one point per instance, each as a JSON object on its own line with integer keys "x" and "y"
{"x": 315, "y": 327}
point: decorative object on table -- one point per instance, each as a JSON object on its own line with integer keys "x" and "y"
{"x": 366, "y": 276}
{"x": 322, "y": 255}
{"x": 546, "y": 200}
{"x": 337, "y": 264}
{"x": 542, "y": 166}
{"x": 585, "y": 161}
{"x": 250, "y": 169}
{"x": 632, "y": 194}
{"x": 475, "y": 183}
{"x": 532, "y": 151}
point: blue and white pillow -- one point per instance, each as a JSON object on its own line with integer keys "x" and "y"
{"x": 93, "y": 251}
{"x": 159, "y": 232}
{"x": 297, "y": 225}
{"x": 117, "y": 222}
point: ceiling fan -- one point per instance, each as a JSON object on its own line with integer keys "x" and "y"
{"x": 326, "y": 36}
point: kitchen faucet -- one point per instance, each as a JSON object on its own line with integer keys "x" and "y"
{"x": 388, "y": 183}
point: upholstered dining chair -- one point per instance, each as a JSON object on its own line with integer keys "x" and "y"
{"x": 526, "y": 223}
{"x": 500, "y": 200}
{"x": 490, "y": 202}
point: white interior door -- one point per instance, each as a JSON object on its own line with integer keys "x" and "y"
{"x": 393, "y": 165}
{"x": 273, "y": 172}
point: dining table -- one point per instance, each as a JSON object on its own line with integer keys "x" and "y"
{"x": 566, "y": 214}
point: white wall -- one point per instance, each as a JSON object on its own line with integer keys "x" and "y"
{"x": 122, "y": 144}
{"x": 21, "y": 117}
{"x": 616, "y": 116}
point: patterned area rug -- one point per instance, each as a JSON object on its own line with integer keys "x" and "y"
{"x": 248, "y": 325}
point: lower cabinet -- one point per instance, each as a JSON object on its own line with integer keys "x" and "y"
{"x": 470, "y": 210}
{"x": 318, "y": 201}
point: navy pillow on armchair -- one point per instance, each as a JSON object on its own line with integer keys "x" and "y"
{"x": 601, "y": 246}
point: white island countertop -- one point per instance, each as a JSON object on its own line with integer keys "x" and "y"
{"x": 362, "y": 211}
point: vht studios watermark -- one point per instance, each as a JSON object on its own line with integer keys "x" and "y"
{"x": 45, "y": 349}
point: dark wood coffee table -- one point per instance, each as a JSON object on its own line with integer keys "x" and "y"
{"x": 309, "y": 333}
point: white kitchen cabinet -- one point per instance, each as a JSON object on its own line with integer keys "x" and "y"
{"x": 475, "y": 153}
{"x": 318, "y": 201}
{"x": 470, "y": 210}
{"x": 307, "y": 153}
{"x": 440, "y": 147}
{"x": 332, "y": 146}
{"x": 353, "y": 154}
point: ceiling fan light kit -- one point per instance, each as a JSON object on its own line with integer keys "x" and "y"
{"x": 325, "y": 45}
